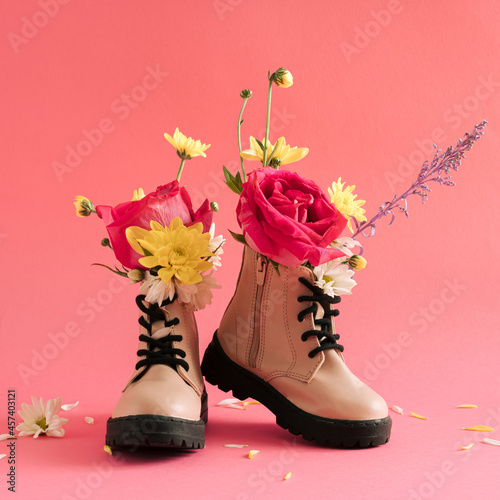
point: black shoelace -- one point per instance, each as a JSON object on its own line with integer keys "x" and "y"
{"x": 159, "y": 351}
{"x": 327, "y": 340}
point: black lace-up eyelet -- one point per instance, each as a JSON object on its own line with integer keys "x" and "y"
{"x": 159, "y": 351}
{"x": 326, "y": 339}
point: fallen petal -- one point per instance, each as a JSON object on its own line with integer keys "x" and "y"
{"x": 236, "y": 407}
{"x": 480, "y": 428}
{"x": 228, "y": 401}
{"x": 252, "y": 453}
{"x": 468, "y": 447}
{"x": 251, "y": 403}
{"x": 416, "y": 415}
{"x": 235, "y": 445}
{"x": 6, "y": 436}
{"x": 2, "y": 456}
{"x": 89, "y": 420}
{"x": 466, "y": 406}
{"x": 493, "y": 442}
{"x": 69, "y": 406}
{"x": 287, "y": 476}
{"x": 397, "y": 409}
{"x": 107, "y": 449}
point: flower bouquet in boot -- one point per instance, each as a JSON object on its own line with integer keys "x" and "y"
{"x": 170, "y": 251}
{"x": 277, "y": 341}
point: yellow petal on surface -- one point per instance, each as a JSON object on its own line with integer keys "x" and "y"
{"x": 416, "y": 415}
{"x": 466, "y": 406}
{"x": 236, "y": 445}
{"x": 89, "y": 420}
{"x": 288, "y": 475}
{"x": 397, "y": 409}
{"x": 480, "y": 428}
{"x": 252, "y": 453}
{"x": 492, "y": 442}
{"x": 251, "y": 403}
{"x": 108, "y": 450}
{"x": 468, "y": 447}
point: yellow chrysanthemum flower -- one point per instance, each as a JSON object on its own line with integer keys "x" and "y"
{"x": 283, "y": 155}
{"x": 176, "y": 251}
{"x": 346, "y": 202}
{"x": 84, "y": 207}
{"x": 186, "y": 147}
{"x": 138, "y": 194}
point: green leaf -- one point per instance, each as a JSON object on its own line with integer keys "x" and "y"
{"x": 232, "y": 182}
{"x": 260, "y": 144}
{"x": 276, "y": 266}
{"x": 238, "y": 237}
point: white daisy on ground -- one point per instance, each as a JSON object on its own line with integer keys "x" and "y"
{"x": 41, "y": 418}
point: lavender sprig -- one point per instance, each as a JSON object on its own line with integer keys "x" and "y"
{"x": 438, "y": 170}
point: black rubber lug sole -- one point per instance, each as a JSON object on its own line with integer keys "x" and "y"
{"x": 221, "y": 371}
{"x": 155, "y": 431}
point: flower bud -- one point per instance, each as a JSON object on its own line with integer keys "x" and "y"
{"x": 105, "y": 242}
{"x": 135, "y": 275}
{"x": 246, "y": 94}
{"x": 282, "y": 78}
{"x": 357, "y": 262}
{"x": 84, "y": 207}
{"x": 214, "y": 206}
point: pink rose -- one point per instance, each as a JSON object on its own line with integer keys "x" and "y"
{"x": 167, "y": 202}
{"x": 288, "y": 218}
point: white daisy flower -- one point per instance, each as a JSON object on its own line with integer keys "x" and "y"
{"x": 41, "y": 418}
{"x": 334, "y": 277}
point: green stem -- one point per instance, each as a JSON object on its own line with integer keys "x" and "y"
{"x": 268, "y": 119}
{"x": 179, "y": 173}
{"x": 239, "y": 140}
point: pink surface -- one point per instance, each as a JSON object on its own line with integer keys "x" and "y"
{"x": 375, "y": 84}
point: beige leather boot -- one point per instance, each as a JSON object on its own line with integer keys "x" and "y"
{"x": 164, "y": 402}
{"x": 276, "y": 343}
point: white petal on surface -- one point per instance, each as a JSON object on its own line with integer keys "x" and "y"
{"x": 69, "y": 406}
{"x": 492, "y": 442}
{"x": 2, "y": 456}
{"x": 397, "y": 409}
{"x": 89, "y": 420}
{"x": 228, "y": 401}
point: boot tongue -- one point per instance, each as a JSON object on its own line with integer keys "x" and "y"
{"x": 320, "y": 313}
{"x": 159, "y": 330}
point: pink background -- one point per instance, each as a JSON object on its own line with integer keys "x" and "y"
{"x": 376, "y": 82}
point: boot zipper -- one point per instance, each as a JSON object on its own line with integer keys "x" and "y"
{"x": 260, "y": 279}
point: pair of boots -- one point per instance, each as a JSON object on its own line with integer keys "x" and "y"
{"x": 276, "y": 343}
